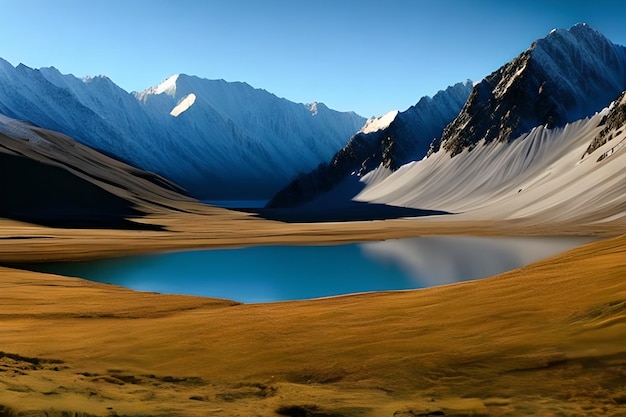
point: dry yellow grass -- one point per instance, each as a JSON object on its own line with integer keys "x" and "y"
{"x": 548, "y": 339}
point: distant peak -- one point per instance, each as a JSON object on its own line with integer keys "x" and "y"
{"x": 462, "y": 85}
{"x": 312, "y": 108}
{"x": 578, "y": 30}
{"x": 22, "y": 67}
{"x": 168, "y": 86}
{"x": 378, "y": 123}
{"x": 50, "y": 68}
{"x": 316, "y": 107}
{"x": 96, "y": 78}
{"x": 562, "y": 42}
{"x": 585, "y": 29}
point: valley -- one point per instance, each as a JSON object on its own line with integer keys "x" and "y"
{"x": 90, "y": 172}
{"x": 95, "y": 349}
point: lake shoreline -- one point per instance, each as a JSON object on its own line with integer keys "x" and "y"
{"x": 546, "y": 338}
{"x": 263, "y": 274}
{"x": 198, "y": 226}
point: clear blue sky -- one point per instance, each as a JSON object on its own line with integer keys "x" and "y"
{"x": 370, "y": 56}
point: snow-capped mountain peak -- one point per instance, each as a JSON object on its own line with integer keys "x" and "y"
{"x": 377, "y": 123}
{"x": 317, "y": 108}
{"x": 168, "y": 86}
{"x": 312, "y": 108}
{"x": 527, "y": 125}
{"x": 219, "y": 140}
{"x": 566, "y": 76}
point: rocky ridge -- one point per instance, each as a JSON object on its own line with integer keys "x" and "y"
{"x": 403, "y": 138}
{"x": 566, "y": 76}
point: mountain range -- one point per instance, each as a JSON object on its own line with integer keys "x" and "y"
{"x": 538, "y": 138}
{"x": 541, "y": 137}
{"x": 565, "y": 77}
{"x": 389, "y": 141}
{"x": 217, "y": 140}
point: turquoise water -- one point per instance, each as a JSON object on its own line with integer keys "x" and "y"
{"x": 276, "y": 273}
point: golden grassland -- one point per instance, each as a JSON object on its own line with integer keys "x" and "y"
{"x": 548, "y": 339}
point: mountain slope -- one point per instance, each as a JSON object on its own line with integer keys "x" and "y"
{"x": 391, "y": 140}
{"x": 568, "y": 75}
{"x": 246, "y": 134}
{"x": 612, "y": 125}
{"x": 218, "y": 140}
{"x": 50, "y": 179}
{"x": 529, "y": 144}
{"x": 539, "y": 176}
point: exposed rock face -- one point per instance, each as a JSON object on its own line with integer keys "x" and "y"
{"x": 613, "y": 123}
{"x": 390, "y": 143}
{"x": 568, "y": 75}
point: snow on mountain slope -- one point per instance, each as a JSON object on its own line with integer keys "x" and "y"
{"x": 568, "y": 75}
{"x": 527, "y": 143}
{"x": 540, "y": 175}
{"x": 391, "y": 140}
{"x": 218, "y": 140}
{"x": 250, "y": 139}
{"x": 94, "y": 110}
{"x": 184, "y": 104}
{"x": 378, "y": 123}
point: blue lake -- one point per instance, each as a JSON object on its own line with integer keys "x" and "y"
{"x": 276, "y": 273}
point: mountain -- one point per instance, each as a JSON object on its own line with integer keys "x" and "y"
{"x": 568, "y": 75}
{"x": 218, "y": 140}
{"x": 538, "y": 139}
{"x": 539, "y": 176}
{"x": 391, "y": 140}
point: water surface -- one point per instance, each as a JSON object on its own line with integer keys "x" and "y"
{"x": 275, "y": 273}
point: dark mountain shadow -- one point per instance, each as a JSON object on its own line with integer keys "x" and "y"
{"x": 349, "y": 211}
{"x": 48, "y": 195}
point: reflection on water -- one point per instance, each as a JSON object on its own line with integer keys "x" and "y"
{"x": 440, "y": 260}
{"x": 274, "y": 273}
